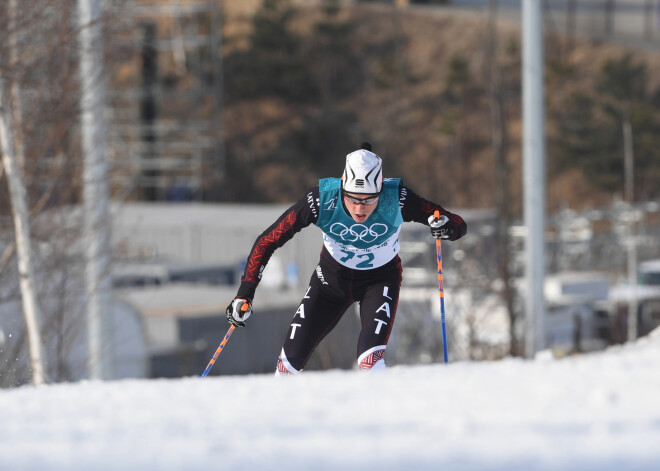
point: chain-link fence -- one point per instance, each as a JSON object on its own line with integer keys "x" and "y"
{"x": 591, "y": 243}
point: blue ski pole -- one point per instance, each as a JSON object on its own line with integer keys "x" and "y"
{"x": 441, "y": 289}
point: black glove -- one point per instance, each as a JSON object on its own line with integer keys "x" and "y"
{"x": 238, "y": 311}
{"x": 442, "y": 228}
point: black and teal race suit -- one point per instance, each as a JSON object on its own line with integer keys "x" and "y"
{"x": 359, "y": 263}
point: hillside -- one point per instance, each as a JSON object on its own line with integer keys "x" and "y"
{"x": 425, "y": 102}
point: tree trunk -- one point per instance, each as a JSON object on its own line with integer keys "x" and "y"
{"x": 23, "y": 247}
{"x": 631, "y": 243}
{"x": 15, "y": 89}
{"x": 500, "y": 143}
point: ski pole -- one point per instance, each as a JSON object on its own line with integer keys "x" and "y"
{"x": 244, "y": 308}
{"x": 441, "y": 288}
{"x": 217, "y": 352}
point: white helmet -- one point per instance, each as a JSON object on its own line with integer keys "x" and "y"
{"x": 363, "y": 172}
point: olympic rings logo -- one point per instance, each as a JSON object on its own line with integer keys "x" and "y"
{"x": 358, "y": 232}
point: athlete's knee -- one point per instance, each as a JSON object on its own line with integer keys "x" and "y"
{"x": 284, "y": 367}
{"x": 372, "y": 359}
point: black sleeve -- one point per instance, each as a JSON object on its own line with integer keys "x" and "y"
{"x": 303, "y": 213}
{"x": 414, "y": 208}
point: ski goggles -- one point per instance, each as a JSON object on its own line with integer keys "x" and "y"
{"x": 362, "y": 201}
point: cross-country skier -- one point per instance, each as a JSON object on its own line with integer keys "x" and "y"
{"x": 360, "y": 216}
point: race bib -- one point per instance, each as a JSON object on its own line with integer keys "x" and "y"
{"x": 360, "y": 258}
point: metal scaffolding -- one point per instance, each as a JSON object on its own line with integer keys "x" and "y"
{"x": 165, "y": 101}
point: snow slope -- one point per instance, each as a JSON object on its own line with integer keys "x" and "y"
{"x": 593, "y": 412}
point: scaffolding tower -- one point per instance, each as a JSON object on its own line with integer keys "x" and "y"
{"x": 165, "y": 101}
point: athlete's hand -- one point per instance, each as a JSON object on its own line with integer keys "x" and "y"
{"x": 441, "y": 227}
{"x": 238, "y": 311}
{"x": 451, "y": 227}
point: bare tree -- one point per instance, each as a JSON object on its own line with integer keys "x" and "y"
{"x": 499, "y": 120}
{"x": 15, "y": 89}
{"x": 22, "y": 232}
{"x": 39, "y": 119}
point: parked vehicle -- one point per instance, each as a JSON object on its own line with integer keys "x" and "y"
{"x": 646, "y": 292}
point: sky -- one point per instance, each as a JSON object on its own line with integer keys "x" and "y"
{"x": 598, "y": 411}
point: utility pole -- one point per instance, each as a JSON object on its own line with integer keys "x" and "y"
{"x": 631, "y": 220}
{"x": 95, "y": 185}
{"x": 534, "y": 174}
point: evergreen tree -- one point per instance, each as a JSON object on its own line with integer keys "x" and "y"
{"x": 588, "y": 140}
{"x": 623, "y": 83}
{"x": 336, "y": 69}
{"x": 273, "y": 64}
{"x": 590, "y": 129}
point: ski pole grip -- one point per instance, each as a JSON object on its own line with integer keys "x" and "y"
{"x": 443, "y": 219}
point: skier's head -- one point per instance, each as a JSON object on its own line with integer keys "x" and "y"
{"x": 363, "y": 173}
